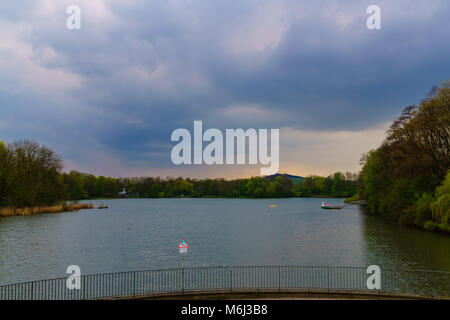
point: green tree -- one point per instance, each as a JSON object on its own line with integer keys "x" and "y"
{"x": 7, "y": 174}
{"x": 270, "y": 189}
{"x": 35, "y": 174}
{"x": 89, "y": 184}
{"x": 155, "y": 190}
{"x": 398, "y": 179}
{"x": 74, "y": 186}
{"x": 168, "y": 190}
{"x": 441, "y": 207}
{"x": 336, "y": 186}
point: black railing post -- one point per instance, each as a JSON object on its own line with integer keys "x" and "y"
{"x": 231, "y": 279}
{"x": 134, "y": 284}
{"x": 431, "y": 282}
{"x": 83, "y": 287}
{"x": 279, "y": 278}
{"x": 182, "y": 279}
{"x": 328, "y": 279}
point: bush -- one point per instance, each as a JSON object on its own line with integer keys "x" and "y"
{"x": 430, "y": 225}
{"x": 423, "y": 211}
{"x": 441, "y": 207}
{"x": 407, "y": 217}
{"x": 355, "y": 197}
{"x": 444, "y": 227}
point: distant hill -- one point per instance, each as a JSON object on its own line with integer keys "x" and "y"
{"x": 295, "y": 179}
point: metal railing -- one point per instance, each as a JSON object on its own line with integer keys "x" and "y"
{"x": 208, "y": 279}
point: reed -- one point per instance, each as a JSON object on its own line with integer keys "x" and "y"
{"x": 27, "y": 211}
{"x": 78, "y": 206}
{"x": 5, "y": 212}
{"x": 51, "y": 209}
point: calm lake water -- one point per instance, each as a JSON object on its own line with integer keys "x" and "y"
{"x": 135, "y": 234}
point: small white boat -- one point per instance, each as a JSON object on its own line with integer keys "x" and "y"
{"x": 329, "y": 206}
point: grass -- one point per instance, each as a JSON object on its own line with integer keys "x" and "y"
{"x": 355, "y": 197}
{"x": 27, "y": 211}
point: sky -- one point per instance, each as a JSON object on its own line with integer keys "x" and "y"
{"x": 107, "y": 97}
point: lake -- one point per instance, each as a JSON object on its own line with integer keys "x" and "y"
{"x": 136, "y": 234}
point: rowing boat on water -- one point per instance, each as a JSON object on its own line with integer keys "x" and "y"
{"x": 102, "y": 206}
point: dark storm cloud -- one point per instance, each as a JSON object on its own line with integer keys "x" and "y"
{"x": 144, "y": 68}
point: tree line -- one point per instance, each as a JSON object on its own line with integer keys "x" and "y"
{"x": 407, "y": 179}
{"x": 337, "y": 185}
{"x": 81, "y": 186}
{"x": 31, "y": 175}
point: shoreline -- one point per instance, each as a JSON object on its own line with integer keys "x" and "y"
{"x": 214, "y": 197}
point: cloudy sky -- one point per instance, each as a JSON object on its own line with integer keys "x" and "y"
{"x": 108, "y": 96}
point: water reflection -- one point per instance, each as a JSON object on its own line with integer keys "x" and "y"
{"x": 136, "y": 234}
{"x": 394, "y": 246}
